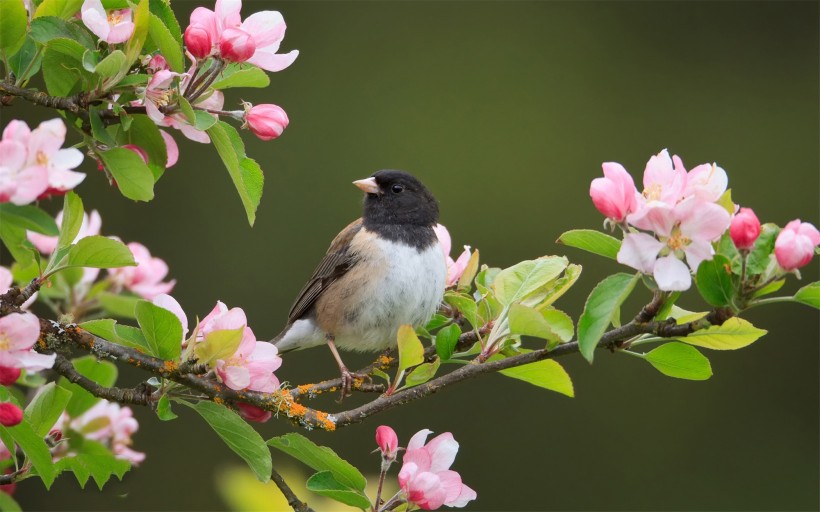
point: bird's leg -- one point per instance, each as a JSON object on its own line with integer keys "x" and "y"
{"x": 347, "y": 376}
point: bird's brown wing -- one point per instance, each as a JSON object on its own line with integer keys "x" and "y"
{"x": 337, "y": 261}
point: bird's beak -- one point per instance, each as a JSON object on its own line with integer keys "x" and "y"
{"x": 368, "y": 185}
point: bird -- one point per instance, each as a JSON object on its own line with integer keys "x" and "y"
{"x": 384, "y": 270}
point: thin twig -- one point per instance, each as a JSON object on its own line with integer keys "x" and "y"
{"x": 295, "y": 503}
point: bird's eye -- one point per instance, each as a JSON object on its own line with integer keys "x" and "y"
{"x": 397, "y": 188}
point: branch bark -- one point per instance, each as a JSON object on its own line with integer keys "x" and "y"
{"x": 295, "y": 503}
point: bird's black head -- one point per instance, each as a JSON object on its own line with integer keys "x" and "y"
{"x": 397, "y": 198}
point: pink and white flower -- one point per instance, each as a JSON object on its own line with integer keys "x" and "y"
{"x": 388, "y": 442}
{"x": 146, "y": 279}
{"x": 113, "y": 27}
{"x": 256, "y": 40}
{"x": 44, "y": 143}
{"x": 111, "y": 424}
{"x": 18, "y": 334}
{"x": 171, "y": 149}
{"x": 19, "y": 184}
{"x": 266, "y": 121}
{"x": 794, "y": 247}
{"x": 615, "y": 194}
{"x": 455, "y": 268}
{"x": 425, "y": 476}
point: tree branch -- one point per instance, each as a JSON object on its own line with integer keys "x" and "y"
{"x": 140, "y": 395}
{"x": 295, "y": 503}
{"x": 77, "y": 104}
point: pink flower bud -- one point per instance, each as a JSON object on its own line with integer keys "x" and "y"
{"x": 157, "y": 63}
{"x": 9, "y": 375}
{"x": 745, "y": 229}
{"x": 266, "y": 121}
{"x": 615, "y": 194}
{"x": 252, "y": 413}
{"x": 388, "y": 442}
{"x": 55, "y": 436}
{"x": 198, "y": 41}
{"x": 236, "y": 45}
{"x": 794, "y": 247}
{"x": 10, "y": 414}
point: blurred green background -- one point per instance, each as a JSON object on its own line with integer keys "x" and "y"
{"x": 506, "y": 111}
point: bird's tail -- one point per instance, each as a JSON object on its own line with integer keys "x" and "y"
{"x": 303, "y": 333}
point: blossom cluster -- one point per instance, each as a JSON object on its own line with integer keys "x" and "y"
{"x": 425, "y": 478}
{"x": 33, "y": 164}
{"x": 679, "y": 215}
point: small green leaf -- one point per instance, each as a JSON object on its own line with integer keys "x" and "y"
{"x": 319, "y": 458}
{"x": 325, "y": 484}
{"x": 45, "y": 28}
{"x": 28, "y": 217}
{"x": 118, "y": 305}
{"x": 125, "y": 335}
{"x": 769, "y": 288}
{"x": 145, "y": 134}
{"x": 238, "y": 435}
{"x": 110, "y": 66}
{"x": 218, "y": 345}
{"x": 547, "y": 374}
{"x": 735, "y": 333}
{"x": 101, "y": 372}
{"x": 422, "y": 373}
{"x": 550, "y": 324}
{"x": 245, "y": 173}
{"x": 26, "y": 62}
{"x": 761, "y": 252}
{"x": 465, "y": 282}
{"x": 809, "y": 295}
{"x": 72, "y": 219}
{"x": 98, "y": 129}
{"x": 62, "y": 66}
{"x": 556, "y": 289}
{"x": 725, "y": 200}
{"x": 164, "y": 411}
{"x": 680, "y": 361}
{"x": 162, "y": 38}
{"x": 592, "y": 241}
{"x": 715, "y": 281}
{"x": 162, "y": 330}
{"x": 13, "y": 24}
{"x": 133, "y": 47}
{"x": 100, "y": 252}
{"x": 35, "y": 449}
{"x": 7, "y": 503}
{"x": 241, "y": 75}
{"x": 94, "y": 459}
{"x": 446, "y": 340}
{"x": 64, "y": 9}
{"x": 203, "y": 120}
{"x": 411, "y": 351}
{"x": 134, "y": 179}
{"x": 465, "y": 305}
{"x": 46, "y": 407}
{"x": 436, "y": 322}
{"x": 601, "y": 305}
{"x": 162, "y": 9}
{"x": 23, "y": 252}
{"x": 380, "y": 374}
{"x": 517, "y": 282}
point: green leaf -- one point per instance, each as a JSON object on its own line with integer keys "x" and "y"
{"x": 162, "y": 38}
{"x": 601, "y": 305}
{"x": 162, "y": 10}
{"x": 26, "y": 62}
{"x": 716, "y": 282}
{"x": 72, "y": 220}
{"x": 23, "y": 252}
{"x": 203, "y": 120}
{"x": 187, "y": 110}
{"x": 761, "y": 252}
{"x": 103, "y": 373}
{"x": 241, "y": 75}
{"x": 145, "y": 134}
{"x": 680, "y": 361}
{"x": 769, "y": 288}
{"x": 164, "y": 411}
{"x": 28, "y": 217}
{"x": 245, "y": 173}
{"x": 45, "y": 28}
{"x": 63, "y": 70}
{"x": 411, "y": 351}
{"x": 436, "y": 321}
{"x": 100, "y": 252}
{"x": 13, "y": 24}
{"x": 7, "y": 503}
{"x": 320, "y": 458}
{"x": 809, "y": 295}
{"x": 733, "y": 334}
{"x": 118, "y": 305}
{"x": 465, "y": 305}
{"x": 422, "y": 373}
{"x": 592, "y": 241}
{"x": 465, "y": 282}
{"x": 134, "y": 179}
{"x": 556, "y": 289}
{"x": 683, "y": 316}
{"x": 552, "y": 325}
{"x": 725, "y": 200}
{"x": 110, "y": 66}
{"x": 446, "y": 340}
{"x": 238, "y": 435}
{"x": 162, "y": 330}
{"x": 64, "y": 9}
{"x": 35, "y": 449}
{"x": 218, "y": 345}
{"x": 98, "y": 129}
{"x": 46, "y": 407}
{"x": 92, "y": 459}
{"x": 325, "y": 484}
{"x": 125, "y": 335}
{"x": 133, "y": 47}
{"x": 547, "y": 374}
{"x": 517, "y": 282}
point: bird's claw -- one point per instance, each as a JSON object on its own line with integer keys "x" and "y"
{"x": 348, "y": 380}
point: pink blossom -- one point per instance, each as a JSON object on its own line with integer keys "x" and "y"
{"x": 686, "y": 229}
{"x": 159, "y": 93}
{"x": 251, "y": 367}
{"x": 157, "y": 63}
{"x": 113, "y": 27}
{"x": 165, "y": 301}
{"x": 615, "y": 194}
{"x": 198, "y": 41}
{"x": 252, "y": 413}
{"x": 171, "y": 148}
{"x": 794, "y": 247}
{"x": 44, "y": 151}
{"x": 454, "y": 268}
{"x": 388, "y": 442}
{"x": 146, "y": 278}
{"x": 263, "y": 31}
{"x": 19, "y": 184}
{"x": 425, "y": 476}
{"x": 706, "y": 181}
{"x": 221, "y": 318}
{"x": 664, "y": 181}
{"x": 745, "y": 229}
{"x": 266, "y": 121}
{"x": 46, "y": 244}
{"x": 18, "y": 333}
{"x": 10, "y": 414}
{"x": 111, "y": 424}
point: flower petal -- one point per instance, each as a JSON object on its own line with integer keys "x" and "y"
{"x": 640, "y": 251}
{"x": 672, "y": 274}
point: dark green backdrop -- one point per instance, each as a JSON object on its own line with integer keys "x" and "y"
{"x": 506, "y": 110}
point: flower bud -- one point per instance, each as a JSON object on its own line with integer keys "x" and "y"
{"x": 266, "y": 121}
{"x": 54, "y": 436}
{"x": 745, "y": 229}
{"x": 198, "y": 41}
{"x": 157, "y": 63}
{"x": 615, "y": 194}
{"x": 236, "y": 45}
{"x": 252, "y": 413}
{"x": 794, "y": 247}
{"x": 388, "y": 442}
{"x": 10, "y": 414}
{"x": 9, "y": 375}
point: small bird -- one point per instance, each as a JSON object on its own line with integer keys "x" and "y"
{"x": 383, "y": 270}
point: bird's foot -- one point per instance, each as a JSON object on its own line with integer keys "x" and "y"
{"x": 348, "y": 380}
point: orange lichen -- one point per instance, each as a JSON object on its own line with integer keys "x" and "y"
{"x": 324, "y": 421}
{"x": 169, "y": 366}
{"x": 218, "y": 400}
{"x": 305, "y": 388}
{"x": 384, "y": 361}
